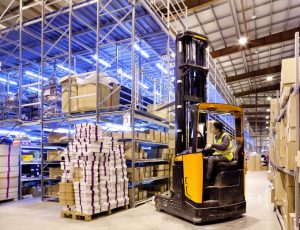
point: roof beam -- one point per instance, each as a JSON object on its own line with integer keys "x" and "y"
{"x": 270, "y": 70}
{"x": 249, "y": 106}
{"x": 263, "y": 41}
{"x": 196, "y": 3}
{"x": 258, "y": 90}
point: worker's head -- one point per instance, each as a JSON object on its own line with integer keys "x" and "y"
{"x": 218, "y": 128}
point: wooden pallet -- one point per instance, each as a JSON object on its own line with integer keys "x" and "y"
{"x": 80, "y": 216}
{"x": 7, "y": 200}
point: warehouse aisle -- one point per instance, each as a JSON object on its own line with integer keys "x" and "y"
{"x": 35, "y": 215}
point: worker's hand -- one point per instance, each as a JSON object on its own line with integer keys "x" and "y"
{"x": 208, "y": 146}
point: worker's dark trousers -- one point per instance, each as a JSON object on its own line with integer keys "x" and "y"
{"x": 212, "y": 160}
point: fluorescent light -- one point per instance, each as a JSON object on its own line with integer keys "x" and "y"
{"x": 268, "y": 110}
{"x": 269, "y": 98}
{"x": 143, "y": 52}
{"x": 270, "y": 78}
{"x": 144, "y": 86}
{"x": 243, "y": 41}
{"x": 158, "y": 65}
{"x": 173, "y": 55}
{"x": 267, "y": 122}
{"x": 136, "y": 46}
{"x": 66, "y": 69}
{"x": 34, "y": 89}
{"x": 101, "y": 61}
{"x": 10, "y": 82}
{"x": 267, "y": 117}
{"x": 35, "y": 75}
{"x": 267, "y": 127}
{"x": 120, "y": 71}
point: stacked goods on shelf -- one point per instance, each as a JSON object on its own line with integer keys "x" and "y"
{"x": 140, "y": 173}
{"x": 282, "y": 145}
{"x": 52, "y": 190}
{"x": 163, "y": 113}
{"x": 9, "y": 171}
{"x": 161, "y": 170}
{"x": 139, "y": 153}
{"x": 254, "y": 162}
{"x": 209, "y": 131}
{"x": 109, "y": 92}
{"x": 150, "y": 135}
{"x": 172, "y": 154}
{"x": 96, "y": 167}
{"x": 55, "y": 173}
{"x": 54, "y": 155}
{"x": 56, "y": 137}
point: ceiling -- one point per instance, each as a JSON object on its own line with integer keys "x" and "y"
{"x": 225, "y": 21}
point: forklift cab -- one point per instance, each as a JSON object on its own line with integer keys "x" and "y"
{"x": 237, "y": 139}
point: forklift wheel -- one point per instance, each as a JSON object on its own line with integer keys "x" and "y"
{"x": 158, "y": 205}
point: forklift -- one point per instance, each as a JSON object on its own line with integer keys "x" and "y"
{"x": 190, "y": 198}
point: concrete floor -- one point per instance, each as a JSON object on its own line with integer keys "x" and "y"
{"x": 36, "y": 215}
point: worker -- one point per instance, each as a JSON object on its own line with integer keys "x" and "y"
{"x": 223, "y": 149}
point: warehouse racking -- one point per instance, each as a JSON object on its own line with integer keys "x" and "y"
{"x": 133, "y": 42}
{"x": 293, "y": 173}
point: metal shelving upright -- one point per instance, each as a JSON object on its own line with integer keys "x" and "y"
{"x": 71, "y": 37}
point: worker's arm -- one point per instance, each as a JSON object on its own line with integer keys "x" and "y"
{"x": 223, "y": 146}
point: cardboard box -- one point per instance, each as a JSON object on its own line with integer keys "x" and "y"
{"x": 290, "y": 159}
{"x": 287, "y": 71}
{"x": 209, "y": 131}
{"x": 54, "y": 155}
{"x": 53, "y": 190}
{"x": 54, "y": 137}
{"x": 136, "y": 194}
{"x": 64, "y": 81}
{"x": 54, "y": 173}
{"x": 279, "y": 185}
{"x": 157, "y": 136}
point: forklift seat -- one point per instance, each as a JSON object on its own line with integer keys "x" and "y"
{"x": 232, "y": 165}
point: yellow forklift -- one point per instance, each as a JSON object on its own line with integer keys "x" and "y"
{"x": 190, "y": 198}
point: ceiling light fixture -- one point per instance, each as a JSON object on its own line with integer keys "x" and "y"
{"x": 158, "y": 65}
{"x": 243, "y": 41}
{"x": 269, "y": 98}
{"x": 267, "y": 117}
{"x": 268, "y": 110}
{"x": 101, "y": 61}
{"x": 66, "y": 69}
{"x": 270, "y": 78}
{"x": 35, "y": 75}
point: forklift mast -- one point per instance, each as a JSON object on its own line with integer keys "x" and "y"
{"x": 190, "y": 88}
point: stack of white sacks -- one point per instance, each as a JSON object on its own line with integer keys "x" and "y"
{"x": 96, "y": 165}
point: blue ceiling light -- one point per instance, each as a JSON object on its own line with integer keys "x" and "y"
{"x": 35, "y": 75}
{"x": 158, "y": 65}
{"x": 101, "y": 61}
{"x": 120, "y": 71}
{"x": 66, "y": 69}
{"x": 10, "y": 82}
{"x": 143, "y": 52}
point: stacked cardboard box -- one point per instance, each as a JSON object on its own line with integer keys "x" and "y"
{"x": 109, "y": 92}
{"x": 99, "y": 174}
{"x": 54, "y": 155}
{"x": 54, "y": 173}
{"x": 150, "y": 135}
{"x": 140, "y": 173}
{"x": 254, "y": 162}
{"x": 139, "y": 153}
{"x": 9, "y": 171}
{"x": 161, "y": 170}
